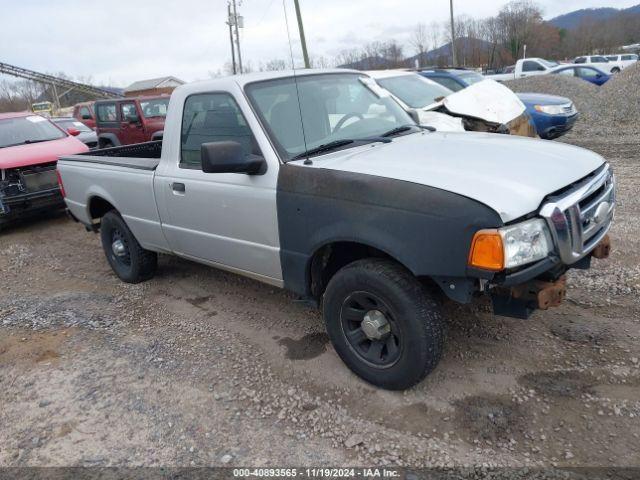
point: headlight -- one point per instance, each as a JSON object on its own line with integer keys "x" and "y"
{"x": 511, "y": 247}
{"x": 553, "y": 109}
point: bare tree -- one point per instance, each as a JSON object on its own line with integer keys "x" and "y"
{"x": 420, "y": 41}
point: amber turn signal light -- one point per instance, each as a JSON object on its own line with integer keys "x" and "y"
{"x": 487, "y": 251}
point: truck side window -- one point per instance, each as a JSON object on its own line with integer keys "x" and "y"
{"x": 106, "y": 112}
{"x": 212, "y": 117}
{"x": 85, "y": 114}
{"x": 532, "y": 67}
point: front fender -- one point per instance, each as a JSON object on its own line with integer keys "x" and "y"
{"x": 426, "y": 229}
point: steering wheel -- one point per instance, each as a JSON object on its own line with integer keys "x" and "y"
{"x": 342, "y": 121}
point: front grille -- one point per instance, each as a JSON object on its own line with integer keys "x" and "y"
{"x": 569, "y": 109}
{"x": 581, "y": 216}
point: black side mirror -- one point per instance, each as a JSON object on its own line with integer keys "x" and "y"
{"x": 86, "y": 117}
{"x": 229, "y": 157}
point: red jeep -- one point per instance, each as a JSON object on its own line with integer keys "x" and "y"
{"x": 84, "y": 113}
{"x": 130, "y": 120}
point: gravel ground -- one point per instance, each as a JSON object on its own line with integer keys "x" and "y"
{"x": 200, "y": 367}
{"x": 612, "y": 109}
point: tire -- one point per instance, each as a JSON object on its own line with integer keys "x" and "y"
{"x": 104, "y": 144}
{"x": 412, "y": 338}
{"x": 131, "y": 263}
{"x": 615, "y": 70}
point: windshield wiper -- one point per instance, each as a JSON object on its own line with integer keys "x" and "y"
{"x": 26, "y": 142}
{"x": 398, "y": 130}
{"x": 327, "y": 147}
{"x": 406, "y": 128}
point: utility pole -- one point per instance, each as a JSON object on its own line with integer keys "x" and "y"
{"x": 453, "y": 36}
{"x": 303, "y": 41}
{"x": 237, "y": 28}
{"x": 233, "y": 50}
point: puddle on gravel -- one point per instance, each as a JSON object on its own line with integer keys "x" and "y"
{"x": 576, "y": 332}
{"x": 307, "y": 347}
{"x": 199, "y": 301}
{"x": 493, "y": 418}
{"x": 558, "y": 384}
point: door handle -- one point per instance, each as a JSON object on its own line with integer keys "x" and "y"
{"x": 178, "y": 187}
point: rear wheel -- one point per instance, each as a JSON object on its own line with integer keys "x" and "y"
{"x": 615, "y": 70}
{"x": 130, "y": 262}
{"x": 383, "y": 323}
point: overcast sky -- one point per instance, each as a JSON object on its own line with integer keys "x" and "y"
{"x": 119, "y": 41}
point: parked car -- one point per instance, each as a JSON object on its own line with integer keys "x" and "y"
{"x": 588, "y": 73}
{"x": 77, "y": 129}
{"x": 599, "y": 61}
{"x": 526, "y": 68}
{"x": 29, "y": 148}
{"x": 622, "y": 61}
{"x": 552, "y": 116}
{"x": 84, "y": 112}
{"x": 485, "y": 107}
{"x": 315, "y": 182}
{"x": 130, "y": 120}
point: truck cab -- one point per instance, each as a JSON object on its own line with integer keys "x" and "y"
{"x": 527, "y": 67}
{"x": 130, "y": 120}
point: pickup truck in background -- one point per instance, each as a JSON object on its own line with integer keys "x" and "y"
{"x": 29, "y": 148}
{"x": 130, "y": 120}
{"x": 84, "y": 112}
{"x": 527, "y": 67}
{"x": 315, "y": 182}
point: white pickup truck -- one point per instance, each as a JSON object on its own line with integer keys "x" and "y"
{"x": 527, "y": 67}
{"x": 312, "y": 182}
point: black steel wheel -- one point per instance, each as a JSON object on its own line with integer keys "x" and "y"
{"x": 130, "y": 262}
{"x": 383, "y": 323}
{"x": 370, "y": 328}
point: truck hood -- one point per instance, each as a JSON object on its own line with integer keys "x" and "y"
{"x": 511, "y": 175}
{"x": 37, "y": 153}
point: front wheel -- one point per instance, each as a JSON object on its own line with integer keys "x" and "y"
{"x": 130, "y": 262}
{"x": 615, "y": 70}
{"x": 383, "y": 324}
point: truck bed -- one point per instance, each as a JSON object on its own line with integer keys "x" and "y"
{"x": 140, "y": 156}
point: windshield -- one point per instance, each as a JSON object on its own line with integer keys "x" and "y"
{"x": 414, "y": 90}
{"x": 332, "y": 107}
{"x": 471, "y": 77}
{"x": 66, "y": 124}
{"x": 547, "y": 63}
{"x": 155, "y": 108}
{"x": 31, "y": 129}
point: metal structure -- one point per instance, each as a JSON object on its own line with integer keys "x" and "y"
{"x": 56, "y": 83}
{"x": 303, "y": 40}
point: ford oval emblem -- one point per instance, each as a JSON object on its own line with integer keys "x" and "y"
{"x": 601, "y": 212}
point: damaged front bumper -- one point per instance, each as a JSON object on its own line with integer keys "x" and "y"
{"x": 27, "y": 191}
{"x": 518, "y": 299}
